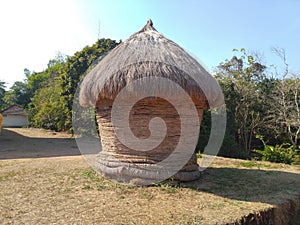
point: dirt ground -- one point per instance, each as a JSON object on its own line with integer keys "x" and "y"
{"x": 35, "y": 143}
{"x": 45, "y": 180}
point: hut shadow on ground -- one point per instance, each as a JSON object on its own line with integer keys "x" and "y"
{"x": 15, "y": 146}
{"x": 251, "y": 185}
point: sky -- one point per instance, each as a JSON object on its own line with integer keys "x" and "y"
{"x": 34, "y": 31}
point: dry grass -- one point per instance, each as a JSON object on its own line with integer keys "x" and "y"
{"x": 65, "y": 190}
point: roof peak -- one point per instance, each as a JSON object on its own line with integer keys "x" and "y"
{"x": 149, "y": 22}
{"x": 148, "y": 26}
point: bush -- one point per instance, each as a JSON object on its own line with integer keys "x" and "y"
{"x": 283, "y": 153}
{"x": 229, "y": 146}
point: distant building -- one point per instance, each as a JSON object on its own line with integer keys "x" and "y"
{"x": 14, "y": 116}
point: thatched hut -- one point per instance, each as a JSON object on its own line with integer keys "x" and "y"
{"x": 147, "y": 54}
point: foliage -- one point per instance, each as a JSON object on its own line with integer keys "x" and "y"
{"x": 18, "y": 94}
{"x": 2, "y": 94}
{"x": 229, "y": 147}
{"x": 284, "y": 103}
{"x": 241, "y": 79}
{"x": 257, "y": 101}
{"x": 76, "y": 67}
{"x": 52, "y": 91}
{"x": 47, "y": 108}
{"x": 283, "y": 153}
{"x": 22, "y": 91}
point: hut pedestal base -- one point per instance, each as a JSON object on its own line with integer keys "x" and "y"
{"x": 138, "y": 173}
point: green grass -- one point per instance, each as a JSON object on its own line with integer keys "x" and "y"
{"x": 169, "y": 189}
{"x": 95, "y": 181}
{"x": 8, "y": 175}
{"x": 260, "y": 165}
{"x": 87, "y": 187}
{"x": 148, "y": 196}
{"x": 248, "y": 164}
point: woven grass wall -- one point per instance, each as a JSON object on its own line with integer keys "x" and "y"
{"x": 115, "y": 153}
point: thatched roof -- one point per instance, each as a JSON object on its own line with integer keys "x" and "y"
{"x": 13, "y": 110}
{"x": 148, "y": 53}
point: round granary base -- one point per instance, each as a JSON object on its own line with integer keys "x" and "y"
{"x": 117, "y": 161}
{"x": 144, "y": 174}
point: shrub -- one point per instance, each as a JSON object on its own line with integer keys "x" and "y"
{"x": 283, "y": 153}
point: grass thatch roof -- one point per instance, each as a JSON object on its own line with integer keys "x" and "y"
{"x": 148, "y": 53}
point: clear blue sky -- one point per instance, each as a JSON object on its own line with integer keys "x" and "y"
{"x": 33, "y": 31}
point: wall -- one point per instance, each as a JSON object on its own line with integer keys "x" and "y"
{"x": 14, "y": 121}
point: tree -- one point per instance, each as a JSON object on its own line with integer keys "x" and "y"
{"x": 2, "y": 94}
{"x": 284, "y": 101}
{"x": 18, "y": 94}
{"x": 47, "y": 108}
{"x": 241, "y": 79}
{"x": 75, "y": 68}
{"x": 27, "y": 72}
{"x": 52, "y": 90}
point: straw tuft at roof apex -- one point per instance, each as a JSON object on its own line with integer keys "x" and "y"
{"x": 148, "y": 26}
{"x": 149, "y": 22}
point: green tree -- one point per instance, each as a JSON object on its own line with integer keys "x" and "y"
{"x": 27, "y": 72}
{"x": 37, "y": 81}
{"x": 76, "y": 67}
{"x": 18, "y": 94}
{"x": 241, "y": 79}
{"x": 2, "y": 94}
{"x": 52, "y": 90}
{"x": 47, "y": 107}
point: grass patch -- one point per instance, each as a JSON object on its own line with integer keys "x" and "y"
{"x": 248, "y": 164}
{"x": 87, "y": 187}
{"x": 90, "y": 174}
{"x": 148, "y": 196}
{"x": 95, "y": 181}
{"x": 261, "y": 165}
{"x": 8, "y": 175}
{"x": 168, "y": 188}
{"x": 186, "y": 219}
